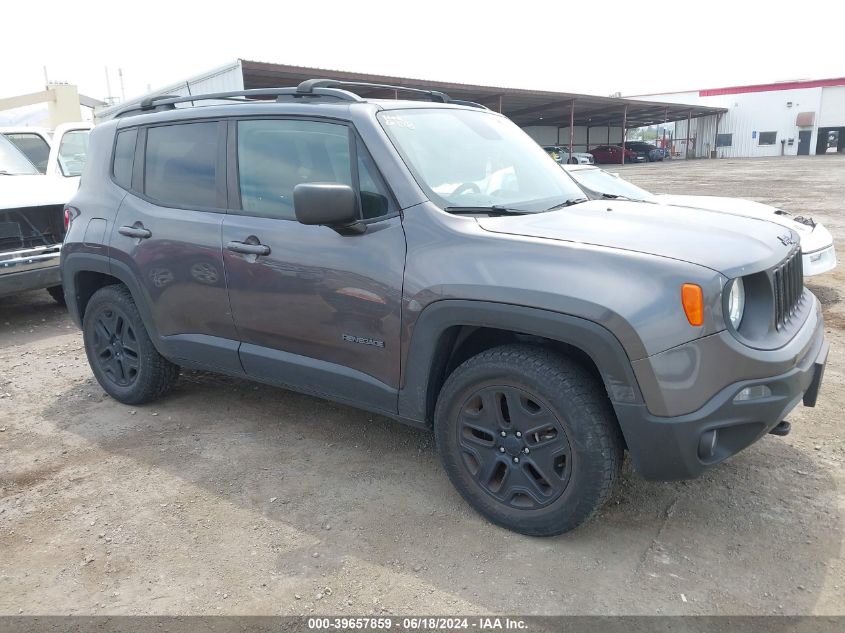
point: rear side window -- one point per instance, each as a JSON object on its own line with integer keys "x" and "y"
{"x": 34, "y": 147}
{"x": 124, "y": 157}
{"x": 276, "y": 155}
{"x": 180, "y": 166}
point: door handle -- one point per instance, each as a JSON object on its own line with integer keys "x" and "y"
{"x": 248, "y": 249}
{"x": 135, "y": 231}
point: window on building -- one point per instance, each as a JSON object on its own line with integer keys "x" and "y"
{"x": 276, "y": 155}
{"x": 767, "y": 138}
{"x": 124, "y": 157}
{"x": 724, "y": 140}
{"x": 180, "y": 167}
{"x": 33, "y": 146}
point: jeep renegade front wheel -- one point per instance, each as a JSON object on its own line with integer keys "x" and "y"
{"x": 120, "y": 352}
{"x": 528, "y": 438}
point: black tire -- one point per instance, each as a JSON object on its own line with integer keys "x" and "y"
{"x": 577, "y": 446}
{"x": 573, "y": 161}
{"x": 58, "y": 294}
{"x": 120, "y": 352}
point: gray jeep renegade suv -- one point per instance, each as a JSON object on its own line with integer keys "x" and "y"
{"x": 427, "y": 261}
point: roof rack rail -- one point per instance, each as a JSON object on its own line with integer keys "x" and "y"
{"x": 168, "y": 102}
{"x": 308, "y": 89}
{"x": 309, "y": 85}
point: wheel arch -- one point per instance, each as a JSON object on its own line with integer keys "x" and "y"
{"x": 85, "y": 273}
{"x": 448, "y": 332}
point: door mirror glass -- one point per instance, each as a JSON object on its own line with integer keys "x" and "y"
{"x": 325, "y": 203}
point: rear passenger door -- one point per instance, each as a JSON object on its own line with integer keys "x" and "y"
{"x": 167, "y": 234}
{"x": 315, "y": 310}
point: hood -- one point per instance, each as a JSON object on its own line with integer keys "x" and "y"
{"x": 731, "y": 245}
{"x": 812, "y": 238}
{"x": 36, "y": 190}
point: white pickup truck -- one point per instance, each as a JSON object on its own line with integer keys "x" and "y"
{"x": 39, "y": 173}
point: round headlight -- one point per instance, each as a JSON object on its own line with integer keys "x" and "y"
{"x": 736, "y": 302}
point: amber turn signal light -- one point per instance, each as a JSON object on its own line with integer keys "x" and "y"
{"x": 693, "y": 300}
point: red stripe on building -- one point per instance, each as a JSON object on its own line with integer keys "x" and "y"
{"x": 786, "y": 85}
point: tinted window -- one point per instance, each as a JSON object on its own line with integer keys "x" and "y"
{"x": 73, "y": 151}
{"x": 275, "y": 156}
{"x": 724, "y": 140}
{"x": 34, "y": 147}
{"x": 375, "y": 200}
{"x": 180, "y": 166}
{"x": 124, "y": 157}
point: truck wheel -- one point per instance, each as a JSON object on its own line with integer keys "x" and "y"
{"x": 528, "y": 438}
{"x": 58, "y": 294}
{"x": 120, "y": 352}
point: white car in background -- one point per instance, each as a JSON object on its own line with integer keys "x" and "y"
{"x": 818, "y": 252}
{"x": 561, "y": 155}
{"x": 33, "y": 193}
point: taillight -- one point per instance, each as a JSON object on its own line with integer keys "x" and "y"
{"x": 68, "y": 216}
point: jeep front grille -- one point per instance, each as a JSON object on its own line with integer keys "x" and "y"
{"x": 788, "y": 283}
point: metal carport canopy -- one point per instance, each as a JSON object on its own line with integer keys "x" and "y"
{"x": 523, "y": 107}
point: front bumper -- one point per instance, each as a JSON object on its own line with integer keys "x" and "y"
{"x": 683, "y": 446}
{"x": 29, "y": 269}
{"x": 819, "y": 261}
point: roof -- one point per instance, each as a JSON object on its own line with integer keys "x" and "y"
{"x": 524, "y": 107}
{"x": 776, "y": 86}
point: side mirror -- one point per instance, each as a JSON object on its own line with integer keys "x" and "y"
{"x": 328, "y": 204}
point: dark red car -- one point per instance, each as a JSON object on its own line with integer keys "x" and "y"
{"x": 612, "y": 154}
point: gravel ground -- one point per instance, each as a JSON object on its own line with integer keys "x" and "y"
{"x": 228, "y": 497}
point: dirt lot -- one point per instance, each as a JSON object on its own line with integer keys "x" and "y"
{"x": 229, "y": 497}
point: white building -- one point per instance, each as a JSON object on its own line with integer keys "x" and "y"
{"x": 785, "y": 118}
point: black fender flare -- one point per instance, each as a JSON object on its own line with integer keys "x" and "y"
{"x": 437, "y": 318}
{"x": 75, "y": 263}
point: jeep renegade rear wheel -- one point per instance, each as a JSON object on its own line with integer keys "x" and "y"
{"x": 119, "y": 350}
{"x": 528, "y": 438}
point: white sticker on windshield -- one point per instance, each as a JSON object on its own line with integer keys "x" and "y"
{"x": 399, "y": 121}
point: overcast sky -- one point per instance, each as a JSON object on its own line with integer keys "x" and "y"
{"x": 598, "y": 47}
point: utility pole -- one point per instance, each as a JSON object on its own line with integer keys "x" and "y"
{"x": 46, "y": 81}
{"x": 109, "y": 98}
{"x": 122, "y": 91}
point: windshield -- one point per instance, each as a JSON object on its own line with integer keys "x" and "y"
{"x": 473, "y": 158}
{"x": 601, "y": 182}
{"x": 12, "y": 162}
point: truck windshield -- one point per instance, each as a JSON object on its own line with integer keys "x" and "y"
{"x": 601, "y": 183}
{"x": 473, "y": 158}
{"x": 12, "y": 162}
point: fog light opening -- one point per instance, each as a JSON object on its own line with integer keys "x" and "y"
{"x": 707, "y": 444}
{"x": 753, "y": 393}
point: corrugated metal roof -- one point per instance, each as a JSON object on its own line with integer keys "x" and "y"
{"x": 524, "y": 107}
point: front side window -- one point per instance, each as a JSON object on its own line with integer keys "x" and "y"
{"x": 767, "y": 138}
{"x": 473, "y": 158}
{"x": 124, "y": 157}
{"x": 180, "y": 164}
{"x": 276, "y": 155}
{"x": 12, "y": 161}
{"x": 33, "y": 146}
{"x": 72, "y": 152}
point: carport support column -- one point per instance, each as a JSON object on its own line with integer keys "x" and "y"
{"x": 689, "y": 129}
{"x": 624, "y": 131}
{"x": 571, "y": 125}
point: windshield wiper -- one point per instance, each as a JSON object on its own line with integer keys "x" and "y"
{"x": 493, "y": 209}
{"x": 567, "y": 203}
{"x": 615, "y": 196}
